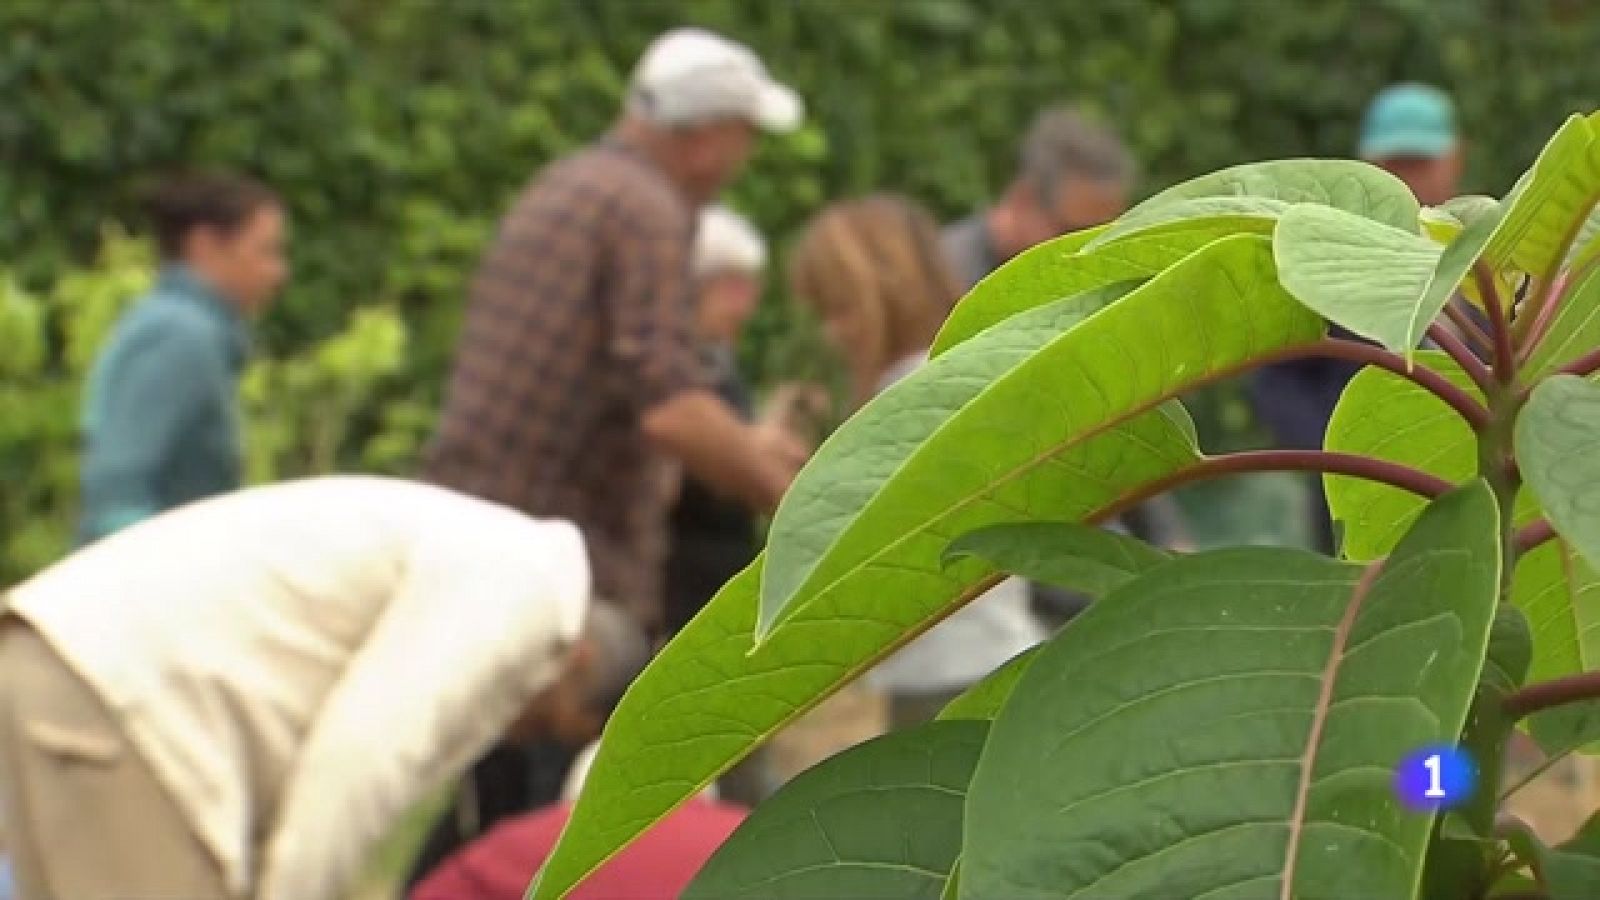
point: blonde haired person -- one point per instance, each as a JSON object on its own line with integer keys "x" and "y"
{"x": 873, "y": 271}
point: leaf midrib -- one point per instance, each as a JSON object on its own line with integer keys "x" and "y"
{"x": 1319, "y": 718}
{"x": 1030, "y": 465}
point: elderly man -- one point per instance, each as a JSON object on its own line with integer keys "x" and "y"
{"x": 239, "y": 698}
{"x": 1071, "y": 174}
{"x": 579, "y": 381}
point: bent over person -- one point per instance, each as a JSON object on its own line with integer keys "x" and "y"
{"x": 240, "y": 697}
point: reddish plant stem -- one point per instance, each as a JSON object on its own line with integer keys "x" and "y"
{"x": 1556, "y": 692}
{"x": 1422, "y": 376}
{"x": 1585, "y": 365}
{"x": 1476, "y": 337}
{"x": 1403, "y": 477}
{"x": 1532, "y": 535}
{"x": 1505, "y": 356}
{"x": 1465, "y": 358}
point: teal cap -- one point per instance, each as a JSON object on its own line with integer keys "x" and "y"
{"x": 1408, "y": 120}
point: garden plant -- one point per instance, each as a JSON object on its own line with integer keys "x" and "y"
{"x": 1225, "y": 724}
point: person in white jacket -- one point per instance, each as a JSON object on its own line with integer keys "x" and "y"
{"x": 237, "y": 699}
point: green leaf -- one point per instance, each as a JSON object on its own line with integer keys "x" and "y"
{"x": 1586, "y": 246}
{"x": 1572, "y": 870}
{"x": 1547, "y": 207}
{"x": 1227, "y": 725}
{"x": 708, "y": 699}
{"x": 1561, "y": 595}
{"x": 952, "y": 885}
{"x": 1255, "y": 194}
{"x": 1060, "y": 268}
{"x": 882, "y": 819}
{"x": 1388, "y": 417}
{"x": 1469, "y": 208}
{"x": 1567, "y": 729}
{"x": 1380, "y": 282}
{"x": 1081, "y": 558}
{"x": 985, "y": 699}
{"x": 1574, "y": 331}
{"x": 976, "y": 436}
{"x": 1557, "y": 434}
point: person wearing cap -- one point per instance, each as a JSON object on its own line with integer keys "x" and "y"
{"x": 579, "y": 388}
{"x": 240, "y": 697}
{"x": 579, "y": 385}
{"x": 1410, "y": 131}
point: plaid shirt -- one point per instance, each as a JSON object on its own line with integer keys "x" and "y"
{"x": 580, "y": 319}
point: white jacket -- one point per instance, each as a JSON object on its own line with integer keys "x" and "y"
{"x": 299, "y": 663}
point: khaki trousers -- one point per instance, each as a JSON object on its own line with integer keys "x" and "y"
{"x": 86, "y": 818}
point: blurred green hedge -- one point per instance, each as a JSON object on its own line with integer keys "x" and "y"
{"x": 399, "y": 129}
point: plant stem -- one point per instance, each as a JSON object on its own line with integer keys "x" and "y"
{"x": 1465, "y": 358}
{"x": 1556, "y": 692}
{"x": 1367, "y": 354}
{"x": 1505, "y": 357}
{"x": 1532, "y": 535}
{"x": 1475, "y": 336}
{"x": 1585, "y": 365}
{"x": 1403, "y": 477}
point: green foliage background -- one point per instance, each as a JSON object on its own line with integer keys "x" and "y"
{"x": 399, "y": 130}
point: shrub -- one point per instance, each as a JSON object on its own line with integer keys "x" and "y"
{"x": 398, "y": 132}
{"x": 1228, "y": 723}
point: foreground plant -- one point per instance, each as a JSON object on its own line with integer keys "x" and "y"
{"x": 1223, "y": 725}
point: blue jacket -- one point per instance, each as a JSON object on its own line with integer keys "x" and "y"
{"x": 160, "y": 415}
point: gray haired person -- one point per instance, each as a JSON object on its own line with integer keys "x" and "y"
{"x": 1072, "y": 173}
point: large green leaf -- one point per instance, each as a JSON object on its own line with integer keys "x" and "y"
{"x": 1574, "y": 331}
{"x": 1557, "y": 436}
{"x": 1069, "y": 555}
{"x": 1388, "y": 417}
{"x": 880, "y": 820}
{"x": 1226, "y": 726}
{"x": 969, "y": 440}
{"x": 1547, "y": 207}
{"x": 1560, "y": 594}
{"x": 1253, "y": 195}
{"x": 985, "y": 699}
{"x": 707, "y": 699}
{"x": 1060, "y": 268}
{"x": 1383, "y": 415}
{"x": 1378, "y": 281}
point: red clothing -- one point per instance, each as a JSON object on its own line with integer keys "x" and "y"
{"x": 658, "y": 866}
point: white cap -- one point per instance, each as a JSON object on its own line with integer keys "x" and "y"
{"x": 727, "y": 242}
{"x": 690, "y": 75}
